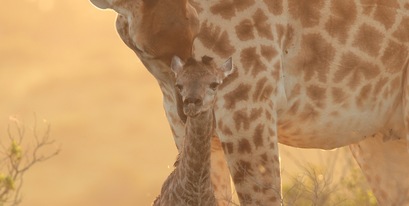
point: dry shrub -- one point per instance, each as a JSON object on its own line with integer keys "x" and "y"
{"x": 18, "y": 154}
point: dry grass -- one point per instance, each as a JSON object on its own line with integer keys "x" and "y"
{"x": 332, "y": 179}
{"x": 319, "y": 185}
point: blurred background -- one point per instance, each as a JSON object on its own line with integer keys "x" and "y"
{"x": 64, "y": 62}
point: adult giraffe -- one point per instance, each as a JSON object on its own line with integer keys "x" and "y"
{"x": 311, "y": 74}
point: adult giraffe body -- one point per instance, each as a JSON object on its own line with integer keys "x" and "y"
{"x": 311, "y": 74}
{"x": 314, "y": 74}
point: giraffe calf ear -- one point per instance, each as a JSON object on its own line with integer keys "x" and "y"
{"x": 176, "y": 65}
{"x": 227, "y": 67}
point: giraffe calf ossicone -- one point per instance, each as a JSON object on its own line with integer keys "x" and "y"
{"x": 197, "y": 83}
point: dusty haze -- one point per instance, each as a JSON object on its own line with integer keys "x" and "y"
{"x": 64, "y": 61}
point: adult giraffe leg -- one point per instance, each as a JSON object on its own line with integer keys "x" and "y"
{"x": 386, "y": 167}
{"x": 249, "y": 141}
{"x": 220, "y": 174}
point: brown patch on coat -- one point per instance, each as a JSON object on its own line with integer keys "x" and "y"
{"x": 216, "y": 39}
{"x": 401, "y": 32}
{"x": 262, "y": 90}
{"x": 385, "y": 12}
{"x": 343, "y": 16}
{"x": 243, "y": 169}
{"x": 294, "y": 108}
{"x": 380, "y": 84}
{"x": 251, "y": 61}
{"x": 244, "y": 30}
{"x": 228, "y": 147}
{"x": 258, "y": 136}
{"x": 369, "y": 40}
{"x": 227, "y": 9}
{"x": 338, "y": 95}
{"x": 268, "y": 52}
{"x": 243, "y": 118}
{"x": 223, "y": 128}
{"x": 262, "y": 24}
{"x": 315, "y": 58}
{"x": 394, "y": 57}
{"x": 244, "y": 146}
{"x": 358, "y": 70}
{"x": 308, "y": 12}
{"x": 241, "y": 93}
{"x": 275, "y": 7}
{"x": 317, "y": 95}
{"x": 309, "y": 114}
{"x": 363, "y": 96}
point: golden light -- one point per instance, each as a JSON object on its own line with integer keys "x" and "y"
{"x": 45, "y": 5}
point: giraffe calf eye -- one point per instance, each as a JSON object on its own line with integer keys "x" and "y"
{"x": 214, "y": 85}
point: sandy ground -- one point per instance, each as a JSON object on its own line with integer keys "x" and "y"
{"x": 63, "y": 61}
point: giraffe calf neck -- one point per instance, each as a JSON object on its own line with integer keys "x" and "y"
{"x": 190, "y": 183}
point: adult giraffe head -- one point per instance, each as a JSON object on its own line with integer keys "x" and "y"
{"x": 158, "y": 29}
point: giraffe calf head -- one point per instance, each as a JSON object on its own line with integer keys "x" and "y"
{"x": 198, "y": 81}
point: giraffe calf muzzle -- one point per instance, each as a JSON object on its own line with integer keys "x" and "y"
{"x": 194, "y": 101}
{"x": 191, "y": 106}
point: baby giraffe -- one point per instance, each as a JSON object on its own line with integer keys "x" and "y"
{"x": 197, "y": 82}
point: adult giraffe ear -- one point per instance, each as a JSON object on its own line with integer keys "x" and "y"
{"x": 124, "y": 7}
{"x": 102, "y": 4}
{"x": 227, "y": 67}
{"x": 176, "y": 65}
